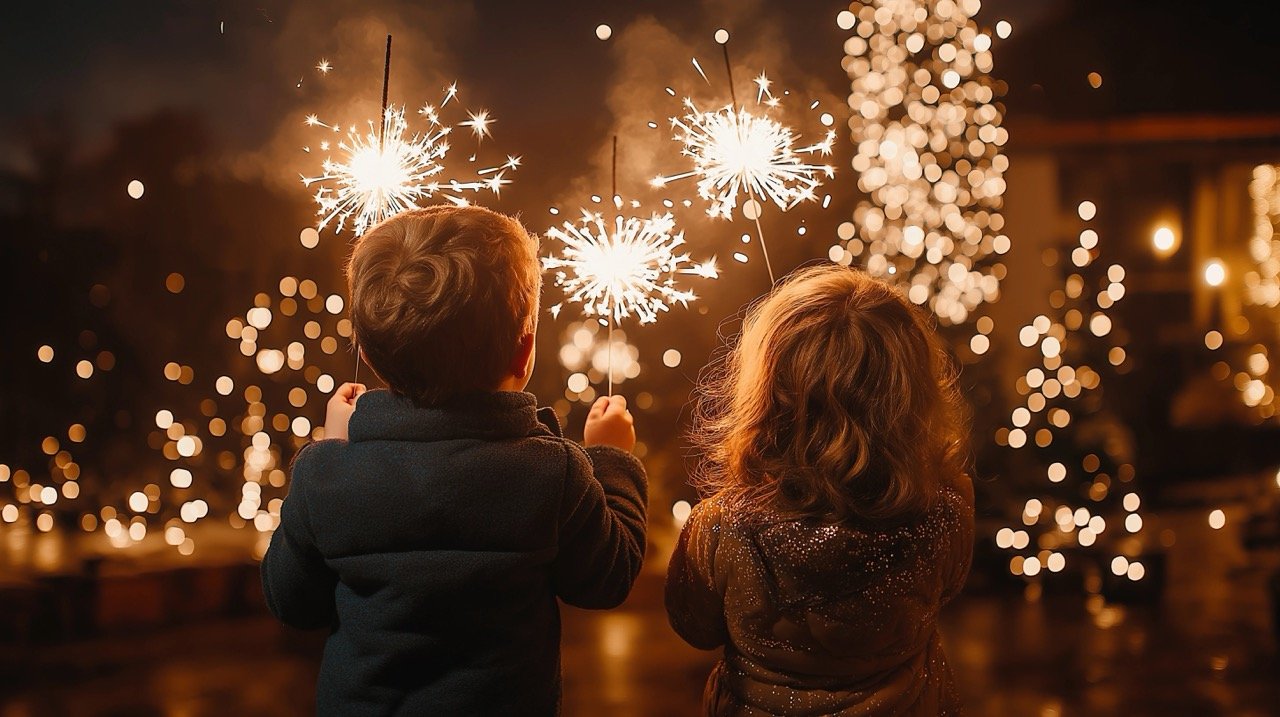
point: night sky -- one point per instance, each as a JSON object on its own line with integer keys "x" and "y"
{"x": 204, "y": 103}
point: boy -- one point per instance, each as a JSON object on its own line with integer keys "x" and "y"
{"x": 436, "y": 532}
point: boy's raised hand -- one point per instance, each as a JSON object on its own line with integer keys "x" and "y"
{"x": 610, "y": 424}
{"x": 341, "y": 406}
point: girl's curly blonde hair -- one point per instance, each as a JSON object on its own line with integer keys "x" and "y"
{"x": 838, "y": 402}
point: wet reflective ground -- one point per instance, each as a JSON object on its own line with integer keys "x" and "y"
{"x": 1208, "y": 648}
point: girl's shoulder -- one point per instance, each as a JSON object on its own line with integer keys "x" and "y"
{"x": 733, "y": 510}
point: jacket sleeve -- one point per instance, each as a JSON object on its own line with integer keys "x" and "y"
{"x": 296, "y": 582}
{"x": 694, "y": 596}
{"x": 962, "y": 539}
{"x": 602, "y": 527}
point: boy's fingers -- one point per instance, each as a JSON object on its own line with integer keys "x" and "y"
{"x": 598, "y": 408}
{"x": 617, "y": 406}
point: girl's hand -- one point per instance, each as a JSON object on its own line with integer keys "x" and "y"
{"x": 341, "y": 406}
{"x": 610, "y": 424}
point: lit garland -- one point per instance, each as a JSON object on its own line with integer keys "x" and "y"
{"x": 928, "y": 136}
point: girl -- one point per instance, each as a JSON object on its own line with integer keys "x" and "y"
{"x": 838, "y": 515}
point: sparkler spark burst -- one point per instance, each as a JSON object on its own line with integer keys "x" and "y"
{"x": 737, "y": 152}
{"x": 387, "y": 170}
{"x": 625, "y": 269}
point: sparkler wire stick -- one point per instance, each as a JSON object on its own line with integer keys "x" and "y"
{"x": 613, "y": 184}
{"x": 386, "y": 83}
{"x": 751, "y": 197}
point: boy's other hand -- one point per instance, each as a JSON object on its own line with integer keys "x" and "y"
{"x": 341, "y": 406}
{"x": 610, "y": 424}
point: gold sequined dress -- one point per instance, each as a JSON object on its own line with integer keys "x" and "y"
{"x": 819, "y": 618}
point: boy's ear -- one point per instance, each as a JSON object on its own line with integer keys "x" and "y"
{"x": 520, "y": 363}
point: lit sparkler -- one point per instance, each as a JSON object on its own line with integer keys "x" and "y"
{"x": 627, "y": 269}
{"x": 735, "y": 152}
{"x": 390, "y": 169}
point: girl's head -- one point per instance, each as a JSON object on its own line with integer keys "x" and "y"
{"x": 838, "y": 401}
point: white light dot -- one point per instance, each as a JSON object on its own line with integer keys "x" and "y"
{"x": 1136, "y": 571}
{"x": 1119, "y": 565}
{"x": 1217, "y": 519}
{"x": 722, "y": 36}
{"x": 309, "y": 237}
{"x": 180, "y": 478}
{"x": 671, "y": 358}
{"x": 681, "y": 510}
{"x": 138, "y": 501}
{"x": 224, "y": 385}
{"x": 1004, "y": 29}
{"x": 603, "y": 32}
{"x": 751, "y": 209}
{"x": 1163, "y": 239}
{"x": 1087, "y": 210}
{"x": 1057, "y": 472}
{"x": 578, "y": 382}
{"x": 136, "y": 189}
{"x": 1215, "y": 272}
{"x": 845, "y": 20}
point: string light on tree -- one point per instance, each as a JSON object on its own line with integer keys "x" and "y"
{"x": 1084, "y": 500}
{"x": 929, "y": 159}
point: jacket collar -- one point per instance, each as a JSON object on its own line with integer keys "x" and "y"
{"x": 383, "y": 415}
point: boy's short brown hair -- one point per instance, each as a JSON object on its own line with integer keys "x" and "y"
{"x": 440, "y": 298}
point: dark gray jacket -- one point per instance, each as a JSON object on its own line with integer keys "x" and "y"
{"x": 434, "y": 544}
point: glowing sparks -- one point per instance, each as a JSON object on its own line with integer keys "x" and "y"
{"x": 390, "y": 169}
{"x": 736, "y": 152}
{"x": 697, "y": 66}
{"x": 626, "y": 269}
{"x": 762, "y": 87}
{"x": 479, "y": 123}
{"x": 323, "y": 67}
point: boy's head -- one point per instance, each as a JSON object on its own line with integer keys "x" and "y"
{"x": 444, "y": 301}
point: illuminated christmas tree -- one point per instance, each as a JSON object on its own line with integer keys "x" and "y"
{"x": 1073, "y": 463}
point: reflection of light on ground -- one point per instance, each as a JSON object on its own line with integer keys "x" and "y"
{"x": 618, "y": 636}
